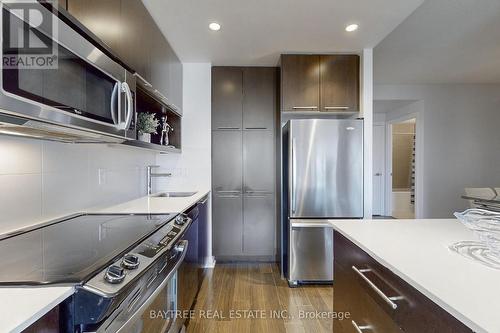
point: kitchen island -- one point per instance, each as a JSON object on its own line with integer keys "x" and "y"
{"x": 416, "y": 252}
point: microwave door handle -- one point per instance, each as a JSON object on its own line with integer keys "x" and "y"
{"x": 114, "y": 101}
{"x": 130, "y": 107}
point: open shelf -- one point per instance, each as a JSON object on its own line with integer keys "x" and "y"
{"x": 147, "y": 103}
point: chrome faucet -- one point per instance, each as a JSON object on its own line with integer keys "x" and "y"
{"x": 150, "y": 176}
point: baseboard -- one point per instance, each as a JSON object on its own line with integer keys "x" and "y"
{"x": 209, "y": 262}
{"x": 228, "y": 259}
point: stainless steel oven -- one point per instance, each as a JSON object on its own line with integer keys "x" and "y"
{"x": 152, "y": 307}
{"x": 82, "y": 89}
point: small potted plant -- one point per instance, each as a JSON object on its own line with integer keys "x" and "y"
{"x": 146, "y": 124}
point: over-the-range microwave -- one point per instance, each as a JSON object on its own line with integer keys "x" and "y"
{"x": 55, "y": 84}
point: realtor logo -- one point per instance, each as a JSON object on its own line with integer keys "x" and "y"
{"x": 29, "y": 34}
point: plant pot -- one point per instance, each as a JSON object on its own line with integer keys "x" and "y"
{"x": 145, "y": 137}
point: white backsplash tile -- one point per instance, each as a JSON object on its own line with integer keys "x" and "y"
{"x": 64, "y": 193}
{"x": 41, "y": 179}
{"x": 20, "y": 200}
{"x": 20, "y": 155}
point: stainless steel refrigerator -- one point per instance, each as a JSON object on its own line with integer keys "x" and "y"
{"x": 322, "y": 179}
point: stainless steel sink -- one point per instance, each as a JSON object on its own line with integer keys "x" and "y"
{"x": 174, "y": 194}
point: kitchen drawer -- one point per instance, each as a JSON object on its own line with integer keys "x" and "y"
{"x": 414, "y": 313}
{"x": 365, "y": 312}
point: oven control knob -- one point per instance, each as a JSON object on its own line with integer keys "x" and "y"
{"x": 130, "y": 261}
{"x": 180, "y": 247}
{"x": 114, "y": 274}
{"x": 181, "y": 219}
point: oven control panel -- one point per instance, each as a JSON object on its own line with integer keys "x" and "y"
{"x": 159, "y": 241}
{"x": 139, "y": 259}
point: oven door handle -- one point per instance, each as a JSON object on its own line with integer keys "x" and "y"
{"x": 181, "y": 247}
{"x": 130, "y": 107}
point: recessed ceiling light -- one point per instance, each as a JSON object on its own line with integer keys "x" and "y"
{"x": 214, "y": 26}
{"x": 351, "y": 27}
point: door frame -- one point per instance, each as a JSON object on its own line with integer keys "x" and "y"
{"x": 419, "y": 161}
{"x": 384, "y": 167}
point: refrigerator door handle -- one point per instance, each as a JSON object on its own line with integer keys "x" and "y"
{"x": 294, "y": 176}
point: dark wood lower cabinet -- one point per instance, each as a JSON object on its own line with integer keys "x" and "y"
{"x": 363, "y": 287}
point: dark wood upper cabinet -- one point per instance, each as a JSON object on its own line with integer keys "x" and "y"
{"x": 127, "y": 28}
{"x": 135, "y": 46}
{"x": 227, "y": 98}
{"x": 103, "y": 18}
{"x": 339, "y": 82}
{"x": 259, "y": 97}
{"x": 300, "y": 80}
{"x": 63, "y": 4}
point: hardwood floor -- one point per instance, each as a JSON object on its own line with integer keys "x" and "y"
{"x": 252, "y": 297}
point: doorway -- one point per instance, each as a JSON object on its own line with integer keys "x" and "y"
{"x": 403, "y": 159}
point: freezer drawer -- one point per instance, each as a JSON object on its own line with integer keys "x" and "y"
{"x": 311, "y": 254}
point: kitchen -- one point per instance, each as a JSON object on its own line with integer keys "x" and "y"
{"x": 212, "y": 167}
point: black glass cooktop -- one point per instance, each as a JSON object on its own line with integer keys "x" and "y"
{"x": 73, "y": 250}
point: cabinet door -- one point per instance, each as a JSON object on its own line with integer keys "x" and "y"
{"x": 339, "y": 83}
{"x": 227, "y": 98}
{"x": 103, "y": 18}
{"x": 161, "y": 56}
{"x": 227, "y": 162}
{"x": 258, "y": 161}
{"x": 136, "y": 27}
{"x": 259, "y": 226}
{"x": 300, "y": 82}
{"x": 259, "y": 97}
{"x": 175, "y": 94}
{"x": 227, "y": 225}
{"x": 62, "y": 4}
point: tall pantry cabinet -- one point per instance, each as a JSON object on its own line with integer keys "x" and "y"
{"x": 244, "y": 111}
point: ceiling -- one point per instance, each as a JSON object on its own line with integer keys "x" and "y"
{"x": 256, "y": 32}
{"x": 443, "y": 41}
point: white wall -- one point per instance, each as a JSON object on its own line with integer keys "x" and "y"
{"x": 367, "y": 113}
{"x": 191, "y": 170}
{"x": 460, "y": 139}
{"x": 40, "y": 180}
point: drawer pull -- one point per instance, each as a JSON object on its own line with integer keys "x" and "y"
{"x": 388, "y": 300}
{"x": 360, "y": 329}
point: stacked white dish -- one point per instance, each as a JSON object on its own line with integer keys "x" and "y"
{"x": 486, "y": 226}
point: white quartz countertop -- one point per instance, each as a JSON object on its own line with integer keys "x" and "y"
{"x": 155, "y": 205}
{"x": 21, "y": 307}
{"x": 417, "y": 251}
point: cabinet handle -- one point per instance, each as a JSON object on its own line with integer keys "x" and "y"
{"x": 294, "y": 176}
{"x": 228, "y": 128}
{"x": 256, "y": 128}
{"x": 162, "y": 97}
{"x": 336, "y": 108}
{"x": 378, "y": 174}
{"x": 362, "y": 328}
{"x": 304, "y": 107}
{"x": 146, "y": 82}
{"x": 388, "y": 300}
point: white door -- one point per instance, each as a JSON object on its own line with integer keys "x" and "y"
{"x": 378, "y": 169}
